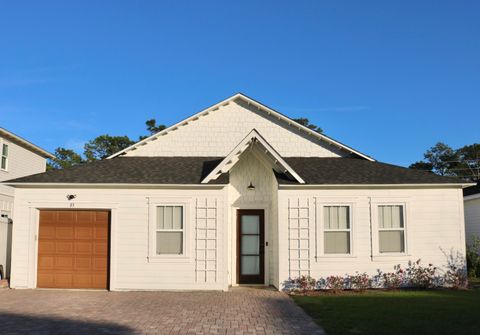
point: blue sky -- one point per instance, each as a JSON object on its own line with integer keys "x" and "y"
{"x": 389, "y": 78}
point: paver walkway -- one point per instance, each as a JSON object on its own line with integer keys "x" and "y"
{"x": 239, "y": 311}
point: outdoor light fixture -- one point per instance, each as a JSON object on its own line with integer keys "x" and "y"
{"x": 251, "y": 187}
{"x": 71, "y": 196}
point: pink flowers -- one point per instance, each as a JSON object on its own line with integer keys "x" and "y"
{"x": 413, "y": 276}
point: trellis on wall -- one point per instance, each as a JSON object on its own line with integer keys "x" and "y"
{"x": 298, "y": 237}
{"x": 206, "y": 240}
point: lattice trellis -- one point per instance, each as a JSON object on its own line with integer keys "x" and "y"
{"x": 206, "y": 240}
{"x": 298, "y": 237}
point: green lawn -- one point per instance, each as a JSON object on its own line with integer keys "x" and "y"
{"x": 396, "y": 312}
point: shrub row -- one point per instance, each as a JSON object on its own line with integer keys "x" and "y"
{"x": 414, "y": 275}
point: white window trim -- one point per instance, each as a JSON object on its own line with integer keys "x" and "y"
{"x": 376, "y": 230}
{"x": 152, "y": 231}
{"x": 321, "y": 230}
{"x": 2, "y": 142}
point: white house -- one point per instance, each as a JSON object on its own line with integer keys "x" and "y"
{"x": 235, "y": 194}
{"x": 19, "y": 158}
{"x": 472, "y": 211}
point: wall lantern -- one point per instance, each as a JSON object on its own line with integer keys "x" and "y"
{"x": 71, "y": 196}
{"x": 251, "y": 187}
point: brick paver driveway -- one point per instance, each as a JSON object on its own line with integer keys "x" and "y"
{"x": 239, "y": 311}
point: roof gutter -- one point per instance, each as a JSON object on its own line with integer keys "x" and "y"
{"x": 114, "y": 185}
{"x": 350, "y": 186}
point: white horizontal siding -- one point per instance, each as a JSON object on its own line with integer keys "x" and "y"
{"x": 472, "y": 218}
{"x": 434, "y": 224}
{"x": 217, "y": 133}
{"x": 131, "y": 267}
{"x": 21, "y": 162}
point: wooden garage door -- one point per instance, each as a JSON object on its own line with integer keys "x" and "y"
{"x": 73, "y": 249}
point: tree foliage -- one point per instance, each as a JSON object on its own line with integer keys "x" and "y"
{"x": 445, "y": 161}
{"x": 64, "y": 158}
{"x": 305, "y": 122}
{"x": 153, "y": 128}
{"x": 105, "y": 145}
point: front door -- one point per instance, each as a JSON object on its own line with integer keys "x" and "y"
{"x": 250, "y": 246}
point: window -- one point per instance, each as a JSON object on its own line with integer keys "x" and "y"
{"x": 4, "y": 162}
{"x": 337, "y": 229}
{"x": 391, "y": 228}
{"x": 169, "y": 230}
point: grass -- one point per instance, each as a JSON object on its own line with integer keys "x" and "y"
{"x": 396, "y": 312}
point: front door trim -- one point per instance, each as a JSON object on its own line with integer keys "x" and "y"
{"x": 254, "y": 279}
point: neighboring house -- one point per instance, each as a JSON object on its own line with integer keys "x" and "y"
{"x": 19, "y": 158}
{"x": 235, "y": 194}
{"x": 471, "y": 198}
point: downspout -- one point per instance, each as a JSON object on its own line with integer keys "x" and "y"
{"x": 371, "y": 228}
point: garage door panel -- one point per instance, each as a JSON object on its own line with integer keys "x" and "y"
{"x": 47, "y": 246}
{"x": 64, "y": 263}
{"x": 46, "y": 262}
{"x": 73, "y": 249}
{"x": 66, "y": 216}
{"x": 84, "y": 232}
{"x": 85, "y": 217}
{"x": 48, "y": 216}
{"x": 46, "y": 280}
{"x": 64, "y": 231}
{"x": 100, "y": 232}
{"x": 100, "y": 248}
{"x": 63, "y": 247}
{"x": 82, "y": 247}
{"x": 83, "y": 263}
{"x": 63, "y": 279}
{"x": 47, "y": 231}
{"x": 100, "y": 263}
{"x": 101, "y": 216}
{"x": 83, "y": 280}
{"x": 98, "y": 280}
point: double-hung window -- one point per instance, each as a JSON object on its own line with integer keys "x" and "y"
{"x": 391, "y": 228}
{"x": 337, "y": 229}
{"x": 4, "y": 160}
{"x": 169, "y": 237}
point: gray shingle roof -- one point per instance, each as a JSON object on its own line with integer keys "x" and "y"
{"x": 133, "y": 170}
{"x": 191, "y": 170}
{"x": 344, "y": 171}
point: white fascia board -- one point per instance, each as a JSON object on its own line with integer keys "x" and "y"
{"x": 349, "y": 186}
{"x": 228, "y": 162}
{"x": 116, "y": 185}
{"x": 249, "y": 101}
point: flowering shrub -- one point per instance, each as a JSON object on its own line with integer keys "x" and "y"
{"x": 414, "y": 275}
{"x": 393, "y": 280}
{"x": 420, "y": 276}
{"x": 359, "y": 281}
{"x": 304, "y": 283}
{"x": 335, "y": 283}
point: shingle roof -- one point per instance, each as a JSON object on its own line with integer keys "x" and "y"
{"x": 133, "y": 170}
{"x": 316, "y": 170}
{"x": 471, "y": 190}
{"x": 191, "y": 170}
